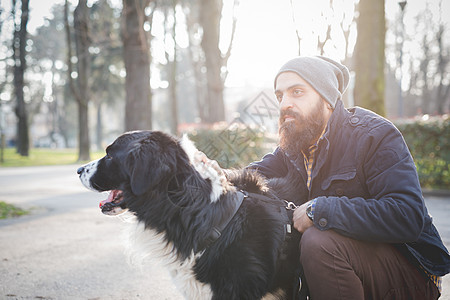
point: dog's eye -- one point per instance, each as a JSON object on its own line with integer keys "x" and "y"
{"x": 107, "y": 156}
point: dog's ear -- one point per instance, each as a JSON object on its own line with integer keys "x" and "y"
{"x": 148, "y": 166}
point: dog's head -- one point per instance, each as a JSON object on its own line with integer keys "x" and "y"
{"x": 136, "y": 162}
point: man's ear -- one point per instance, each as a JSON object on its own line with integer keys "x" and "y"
{"x": 148, "y": 166}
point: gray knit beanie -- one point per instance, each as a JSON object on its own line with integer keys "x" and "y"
{"x": 328, "y": 77}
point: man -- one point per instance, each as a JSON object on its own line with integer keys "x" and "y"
{"x": 366, "y": 231}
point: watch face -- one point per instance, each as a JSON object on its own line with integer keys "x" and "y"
{"x": 309, "y": 212}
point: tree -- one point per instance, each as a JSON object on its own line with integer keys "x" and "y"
{"x": 2, "y": 85}
{"x": 426, "y": 89}
{"x": 136, "y": 55}
{"x": 424, "y": 71}
{"x": 210, "y": 64}
{"x": 107, "y": 86}
{"x": 172, "y": 67}
{"x": 80, "y": 89}
{"x": 330, "y": 36}
{"x": 19, "y": 53}
{"x": 443, "y": 89}
{"x": 47, "y": 56}
{"x": 210, "y": 15}
{"x": 369, "y": 56}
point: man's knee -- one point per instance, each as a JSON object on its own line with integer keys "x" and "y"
{"x": 315, "y": 244}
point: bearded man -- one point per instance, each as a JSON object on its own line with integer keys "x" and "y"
{"x": 366, "y": 231}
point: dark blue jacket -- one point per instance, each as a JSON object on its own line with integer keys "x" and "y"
{"x": 366, "y": 186}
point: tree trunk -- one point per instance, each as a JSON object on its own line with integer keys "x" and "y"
{"x": 173, "y": 97}
{"x": 443, "y": 89}
{"x": 99, "y": 128}
{"x": 369, "y": 56}
{"x": 172, "y": 67}
{"x": 82, "y": 43}
{"x": 197, "y": 64}
{"x": 19, "y": 43}
{"x": 136, "y": 52}
{"x": 81, "y": 89}
{"x": 424, "y": 70}
{"x": 210, "y": 15}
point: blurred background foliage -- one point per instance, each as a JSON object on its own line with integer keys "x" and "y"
{"x": 428, "y": 140}
{"x": 233, "y": 146}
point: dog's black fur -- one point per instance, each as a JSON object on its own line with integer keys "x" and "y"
{"x": 163, "y": 189}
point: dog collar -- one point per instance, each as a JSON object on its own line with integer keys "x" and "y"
{"x": 217, "y": 229}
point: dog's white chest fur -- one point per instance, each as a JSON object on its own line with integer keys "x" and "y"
{"x": 146, "y": 245}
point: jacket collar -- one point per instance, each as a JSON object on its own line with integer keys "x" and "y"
{"x": 337, "y": 118}
{"x": 334, "y": 123}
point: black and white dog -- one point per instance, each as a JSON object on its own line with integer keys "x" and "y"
{"x": 222, "y": 237}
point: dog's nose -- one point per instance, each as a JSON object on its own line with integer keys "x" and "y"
{"x": 80, "y": 170}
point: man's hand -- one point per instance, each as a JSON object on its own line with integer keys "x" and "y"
{"x": 300, "y": 219}
{"x": 208, "y": 167}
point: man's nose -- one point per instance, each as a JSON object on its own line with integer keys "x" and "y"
{"x": 286, "y": 102}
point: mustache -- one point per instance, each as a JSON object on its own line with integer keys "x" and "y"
{"x": 289, "y": 112}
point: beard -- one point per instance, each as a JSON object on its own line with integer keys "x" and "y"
{"x": 299, "y": 134}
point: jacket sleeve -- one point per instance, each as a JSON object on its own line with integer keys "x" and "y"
{"x": 272, "y": 165}
{"x": 394, "y": 212}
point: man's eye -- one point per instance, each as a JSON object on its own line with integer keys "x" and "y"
{"x": 297, "y": 92}
{"x": 279, "y": 97}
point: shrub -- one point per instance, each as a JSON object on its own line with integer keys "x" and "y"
{"x": 232, "y": 145}
{"x": 428, "y": 140}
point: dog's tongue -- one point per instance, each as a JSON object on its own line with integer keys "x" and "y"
{"x": 112, "y": 195}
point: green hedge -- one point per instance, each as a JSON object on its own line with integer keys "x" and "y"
{"x": 428, "y": 140}
{"x": 233, "y": 145}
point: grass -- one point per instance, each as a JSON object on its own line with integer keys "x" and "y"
{"x": 43, "y": 157}
{"x": 9, "y": 211}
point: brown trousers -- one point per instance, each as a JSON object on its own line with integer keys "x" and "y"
{"x": 338, "y": 267}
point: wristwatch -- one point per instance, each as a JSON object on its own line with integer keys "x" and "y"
{"x": 309, "y": 211}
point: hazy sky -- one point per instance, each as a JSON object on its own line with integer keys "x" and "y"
{"x": 265, "y": 34}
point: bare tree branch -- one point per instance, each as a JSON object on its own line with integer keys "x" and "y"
{"x": 233, "y": 30}
{"x": 74, "y": 90}
{"x": 297, "y": 32}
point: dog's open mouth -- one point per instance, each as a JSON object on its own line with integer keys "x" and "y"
{"x": 114, "y": 204}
